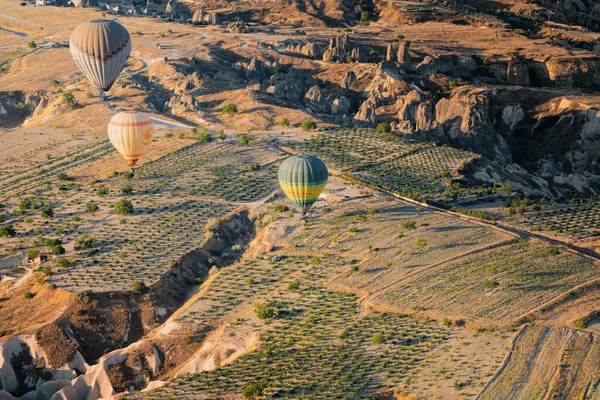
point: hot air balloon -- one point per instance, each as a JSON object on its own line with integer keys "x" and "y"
{"x": 100, "y": 49}
{"x": 302, "y": 179}
{"x": 131, "y": 133}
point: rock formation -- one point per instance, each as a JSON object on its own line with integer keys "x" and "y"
{"x": 349, "y": 78}
{"x": 340, "y": 106}
{"x": 460, "y": 66}
{"x": 366, "y": 115}
{"x": 181, "y": 104}
{"x": 309, "y": 49}
{"x": 316, "y": 101}
{"x": 385, "y": 86}
{"x": 237, "y": 27}
{"x": 403, "y": 55}
{"x": 254, "y": 70}
{"x": 517, "y": 73}
{"x": 341, "y": 50}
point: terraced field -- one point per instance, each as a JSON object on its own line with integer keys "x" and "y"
{"x": 404, "y": 166}
{"x": 389, "y": 240}
{"x": 316, "y": 346}
{"x": 550, "y": 362}
{"x": 579, "y": 221}
{"x": 496, "y": 287}
{"x": 173, "y": 198}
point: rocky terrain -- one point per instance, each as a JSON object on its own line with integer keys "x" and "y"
{"x": 480, "y": 118}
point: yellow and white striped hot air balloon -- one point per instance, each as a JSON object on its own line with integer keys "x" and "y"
{"x": 131, "y": 133}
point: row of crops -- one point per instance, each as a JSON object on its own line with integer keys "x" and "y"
{"x": 579, "y": 221}
{"x": 405, "y": 166}
{"x": 172, "y": 198}
{"x": 316, "y": 346}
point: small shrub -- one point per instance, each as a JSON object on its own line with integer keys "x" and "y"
{"x": 315, "y": 260}
{"x": 383, "y": 127}
{"x": 91, "y": 207}
{"x": 47, "y": 212}
{"x": 490, "y": 285}
{"x": 221, "y": 134}
{"x": 123, "y": 207}
{"x": 138, "y": 287}
{"x": 204, "y": 137}
{"x": 57, "y": 249}
{"x": 281, "y": 208}
{"x": 32, "y": 254}
{"x": 447, "y": 322}
{"x": 245, "y": 140}
{"x": 409, "y": 225}
{"x": 28, "y": 295}
{"x": 128, "y": 189}
{"x": 421, "y": 243}
{"x": 284, "y": 122}
{"x": 69, "y": 99}
{"x": 7, "y": 231}
{"x": 308, "y": 125}
{"x": 230, "y": 109}
{"x": 32, "y": 44}
{"x": 293, "y": 286}
{"x": 378, "y": 339}
{"x": 265, "y": 311}
{"x": 253, "y": 390}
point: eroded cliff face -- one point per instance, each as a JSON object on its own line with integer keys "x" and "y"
{"x": 461, "y": 121}
{"x": 100, "y": 345}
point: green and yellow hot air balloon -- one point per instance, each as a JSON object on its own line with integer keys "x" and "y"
{"x": 302, "y": 179}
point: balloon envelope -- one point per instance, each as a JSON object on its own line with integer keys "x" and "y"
{"x": 100, "y": 49}
{"x": 131, "y": 133}
{"x": 302, "y": 179}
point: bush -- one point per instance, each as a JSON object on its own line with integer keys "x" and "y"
{"x": 128, "y": 189}
{"x": 65, "y": 262}
{"x": 47, "y": 212}
{"x": 447, "y": 322}
{"x": 7, "y": 231}
{"x": 284, "y": 122}
{"x": 57, "y": 249}
{"x": 69, "y": 99}
{"x": 22, "y": 108}
{"x": 28, "y": 295}
{"x": 85, "y": 242}
{"x": 181, "y": 135}
{"x": 54, "y": 82}
{"x": 383, "y": 127}
{"x": 102, "y": 191}
{"x": 265, "y": 311}
{"x": 253, "y": 390}
{"x": 315, "y": 260}
{"x": 581, "y": 324}
{"x": 138, "y": 287}
{"x": 221, "y": 134}
{"x": 553, "y": 251}
{"x": 293, "y": 286}
{"x": 25, "y": 204}
{"x": 32, "y": 254}
{"x": 32, "y": 44}
{"x": 245, "y": 140}
{"x": 490, "y": 285}
{"x": 281, "y": 208}
{"x": 230, "y": 109}
{"x": 91, "y": 207}
{"x": 123, "y": 207}
{"x": 378, "y": 339}
{"x": 63, "y": 177}
{"x": 421, "y": 243}
{"x": 308, "y": 125}
{"x": 204, "y": 137}
{"x": 409, "y": 225}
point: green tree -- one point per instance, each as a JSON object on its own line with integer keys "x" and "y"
{"x": 57, "y": 249}
{"x": 7, "y": 231}
{"x": 63, "y": 177}
{"x": 308, "y": 125}
{"x": 138, "y": 287}
{"x": 85, "y": 242}
{"x": 490, "y": 285}
{"x": 378, "y": 339}
{"x": 47, "y": 212}
{"x": 91, "y": 207}
{"x": 383, "y": 127}
{"x": 245, "y": 140}
{"x": 409, "y": 225}
{"x": 32, "y": 44}
{"x": 253, "y": 390}
{"x": 265, "y": 311}
{"x": 284, "y": 122}
{"x": 25, "y": 204}
{"x": 22, "y": 108}
{"x": 32, "y": 254}
{"x": 204, "y": 137}
{"x": 230, "y": 109}
{"x": 127, "y": 189}
{"x": 221, "y": 134}
{"x": 69, "y": 99}
{"x": 54, "y": 82}
{"x": 123, "y": 207}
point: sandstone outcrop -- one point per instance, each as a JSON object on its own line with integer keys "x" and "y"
{"x": 460, "y": 66}
{"x": 366, "y": 115}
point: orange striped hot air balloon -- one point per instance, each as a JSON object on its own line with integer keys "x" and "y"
{"x": 131, "y": 133}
